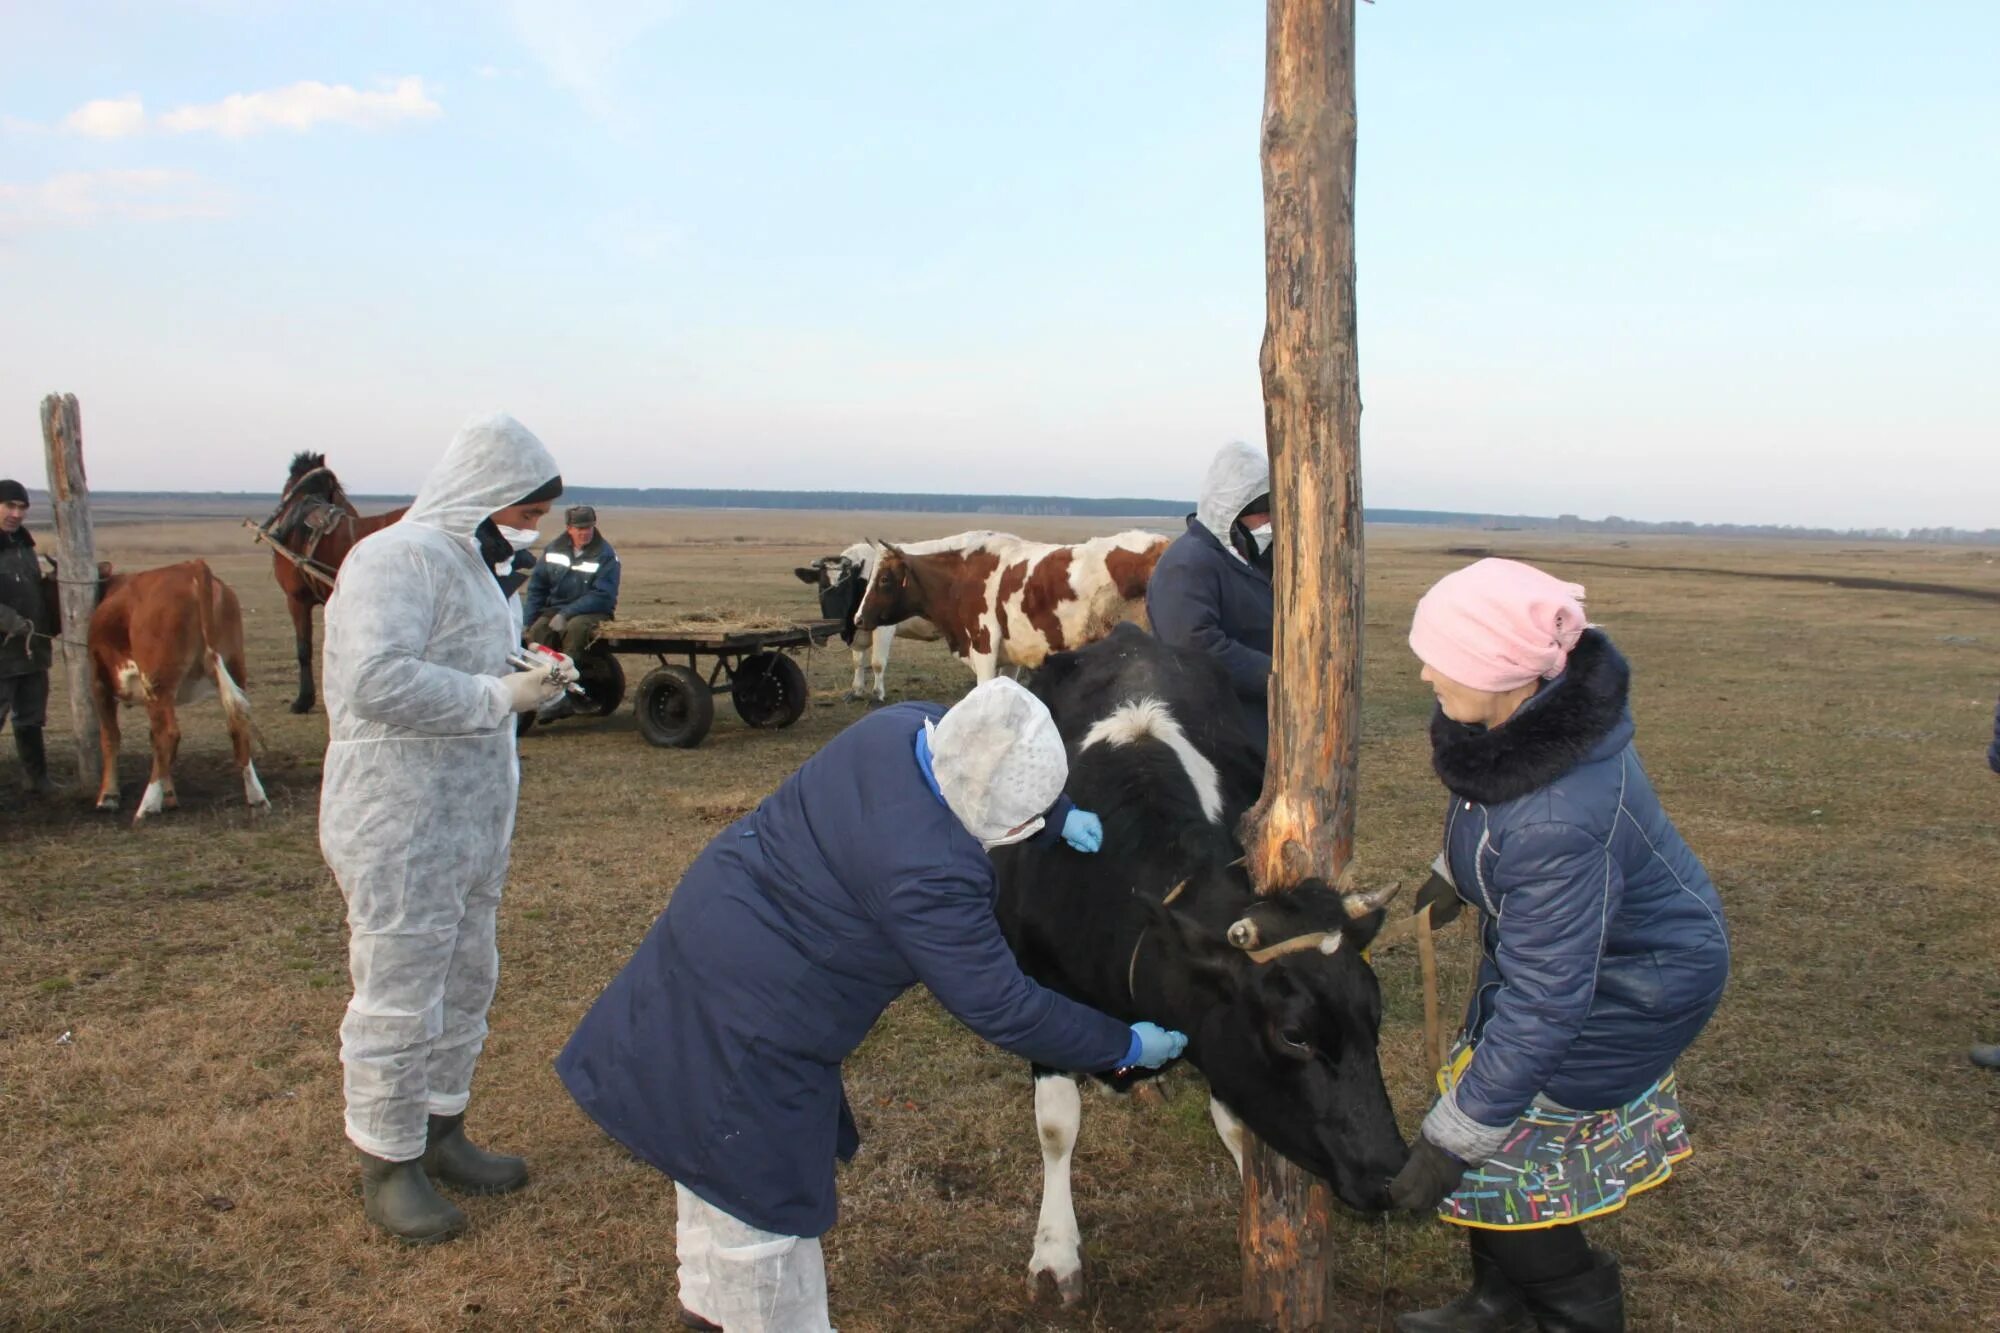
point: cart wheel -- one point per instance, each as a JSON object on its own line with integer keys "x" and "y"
{"x": 674, "y": 707}
{"x": 770, "y": 690}
{"x": 602, "y": 680}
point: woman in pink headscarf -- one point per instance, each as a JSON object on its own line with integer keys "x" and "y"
{"x": 1604, "y": 952}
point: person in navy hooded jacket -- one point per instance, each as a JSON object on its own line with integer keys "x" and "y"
{"x": 715, "y": 1054}
{"x": 1603, "y": 952}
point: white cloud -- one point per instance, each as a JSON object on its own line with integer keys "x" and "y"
{"x": 304, "y": 105}
{"x": 580, "y": 46}
{"x": 108, "y": 118}
{"x": 82, "y": 198}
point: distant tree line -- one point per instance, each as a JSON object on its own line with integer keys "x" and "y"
{"x": 1068, "y": 506}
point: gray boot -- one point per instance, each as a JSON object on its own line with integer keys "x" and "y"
{"x": 34, "y": 754}
{"x": 453, "y": 1159}
{"x": 1492, "y": 1306}
{"x": 397, "y": 1196}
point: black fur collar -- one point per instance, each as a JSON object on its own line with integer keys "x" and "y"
{"x": 1553, "y": 732}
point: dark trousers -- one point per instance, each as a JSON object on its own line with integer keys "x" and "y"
{"x": 25, "y": 698}
{"x": 572, "y": 639}
{"x": 1530, "y": 1258}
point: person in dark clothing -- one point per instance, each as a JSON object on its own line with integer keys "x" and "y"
{"x": 1603, "y": 953}
{"x": 27, "y": 620}
{"x": 1211, "y": 591}
{"x": 715, "y": 1054}
{"x": 574, "y": 588}
{"x": 1987, "y": 1054}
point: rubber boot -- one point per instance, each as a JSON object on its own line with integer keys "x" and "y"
{"x": 34, "y": 761}
{"x": 1591, "y": 1302}
{"x": 398, "y": 1197}
{"x": 453, "y": 1159}
{"x": 1492, "y": 1306}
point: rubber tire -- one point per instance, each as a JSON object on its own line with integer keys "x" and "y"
{"x": 770, "y": 690}
{"x": 674, "y": 707}
{"x": 603, "y": 680}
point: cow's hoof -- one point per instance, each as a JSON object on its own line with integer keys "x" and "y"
{"x": 302, "y": 705}
{"x": 108, "y": 804}
{"x": 852, "y": 697}
{"x": 1045, "y": 1283}
{"x": 259, "y": 808}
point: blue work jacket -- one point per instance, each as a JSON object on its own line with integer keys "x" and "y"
{"x": 715, "y": 1054}
{"x": 1604, "y": 948}
{"x": 573, "y": 582}
{"x": 1201, "y": 597}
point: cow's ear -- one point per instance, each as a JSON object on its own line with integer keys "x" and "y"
{"x": 807, "y": 575}
{"x": 1362, "y": 930}
{"x": 1193, "y": 948}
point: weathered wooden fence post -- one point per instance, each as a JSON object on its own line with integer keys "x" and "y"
{"x": 1304, "y": 825}
{"x": 76, "y": 543}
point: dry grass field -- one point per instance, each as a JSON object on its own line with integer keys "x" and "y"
{"x": 170, "y": 996}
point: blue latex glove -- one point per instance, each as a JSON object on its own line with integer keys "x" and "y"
{"x": 1152, "y": 1046}
{"x": 1083, "y": 831}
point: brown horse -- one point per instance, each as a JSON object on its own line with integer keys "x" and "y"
{"x": 314, "y": 527}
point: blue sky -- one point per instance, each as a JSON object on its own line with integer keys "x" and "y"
{"x": 1666, "y": 260}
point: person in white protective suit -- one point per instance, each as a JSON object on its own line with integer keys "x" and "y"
{"x": 417, "y": 809}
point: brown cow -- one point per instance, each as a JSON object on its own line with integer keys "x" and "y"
{"x": 318, "y": 525}
{"x": 1015, "y": 601}
{"x": 161, "y": 638}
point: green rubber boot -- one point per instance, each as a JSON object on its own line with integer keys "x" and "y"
{"x": 398, "y": 1197}
{"x": 458, "y": 1163}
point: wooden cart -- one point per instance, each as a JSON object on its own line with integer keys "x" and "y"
{"x": 675, "y": 702}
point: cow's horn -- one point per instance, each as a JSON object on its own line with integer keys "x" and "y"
{"x": 1244, "y": 934}
{"x": 1361, "y": 904}
{"x": 1174, "y": 893}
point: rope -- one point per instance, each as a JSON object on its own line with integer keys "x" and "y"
{"x": 1382, "y": 1278}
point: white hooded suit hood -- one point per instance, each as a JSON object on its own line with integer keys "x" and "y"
{"x": 1238, "y": 475}
{"x": 492, "y": 462}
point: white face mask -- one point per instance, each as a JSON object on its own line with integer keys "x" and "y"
{"x": 1021, "y": 834}
{"x": 519, "y": 538}
{"x": 1261, "y": 535}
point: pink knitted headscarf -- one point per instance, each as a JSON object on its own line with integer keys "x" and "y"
{"x": 1498, "y": 625}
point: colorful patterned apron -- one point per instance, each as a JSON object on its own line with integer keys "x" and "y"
{"x": 1568, "y": 1166}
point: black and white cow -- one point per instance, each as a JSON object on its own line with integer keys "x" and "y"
{"x": 843, "y": 581}
{"x": 1284, "y": 1033}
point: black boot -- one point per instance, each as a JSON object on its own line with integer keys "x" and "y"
{"x": 1492, "y": 1306}
{"x": 34, "y": 761}
{"x": 1591, "y": 1302}
{"x": 397, "y": 1196}
{"x": 453, "y": 1159}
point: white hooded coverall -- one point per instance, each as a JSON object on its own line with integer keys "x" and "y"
{"x": 1238, "y": 475}
{"x": 417, "y": 799}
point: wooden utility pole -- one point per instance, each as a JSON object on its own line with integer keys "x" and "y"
{"x": 1304, "y": 824}
{"x": 76, "y": 543}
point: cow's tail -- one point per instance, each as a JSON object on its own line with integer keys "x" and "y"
{"x": 235, "y": 703}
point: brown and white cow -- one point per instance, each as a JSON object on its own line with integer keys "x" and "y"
{"x": 162, "y": 638}
{"x": 1014, "y": 601}
{"x": 843, "y": 581}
